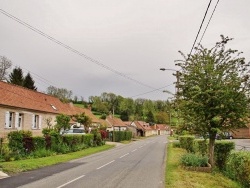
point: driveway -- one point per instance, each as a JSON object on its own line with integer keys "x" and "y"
{"x": 242, "y": 144}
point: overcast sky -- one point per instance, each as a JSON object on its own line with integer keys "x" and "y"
{"x": 133, "y": 38}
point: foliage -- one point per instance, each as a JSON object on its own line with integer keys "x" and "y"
{"x": 16, "y": 142}
{"x": 39, "y": 142}
{"x": 238, "y": 167}
{"x": 61, "y": 93}
{"x": 162, "y": 117}
{"x": 186, "y": 142}
{"x": 201, "y": 146}
{"x": 122, "y": 135}
{"x": 28, "y": 82}
{"x": 176, "y": 144}
{"x": 16, "y": 76}
{"x": 177, "y": 177}
{"x": 83, "y": 119}
{"x": 222, "y": 150}
{"x": 62, "y": 122}
{"x": 191, "y": 159}
{"x": 5, "y": 64}
{"x": 213, "y": 87}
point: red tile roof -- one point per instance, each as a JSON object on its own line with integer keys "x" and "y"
{"x": 113, "y": 121}
{"x": 143, "y": 125}
{"x": 20, "y": 97}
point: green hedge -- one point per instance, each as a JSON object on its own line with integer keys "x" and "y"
{"x": 237, "y": 167}
{"x": 200, "y": 146}
{"x": 122, "y": 135}
{"x": 222, "y": 150}
{"x": 39, "y": 142}
{"x": 187, "y": 142}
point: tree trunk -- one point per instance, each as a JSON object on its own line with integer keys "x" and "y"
{"x": 211, "y": 151}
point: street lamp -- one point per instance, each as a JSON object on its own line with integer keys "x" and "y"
{"x": 177, "y": 77}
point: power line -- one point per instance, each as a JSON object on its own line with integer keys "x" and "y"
{"x": 159, "y": 89}
{"x": 72, "y": 49}
{"x": 209, "y": 21}
{"x": 200, "y": 28}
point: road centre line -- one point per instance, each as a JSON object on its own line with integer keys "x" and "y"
{"x": 105, "y": 165}
{"x": 71, "y": 181}
{"x": 134, "y": 150}
{"x": 124, "y": 155}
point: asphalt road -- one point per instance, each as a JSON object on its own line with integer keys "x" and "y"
{"x": 140, "y": 164}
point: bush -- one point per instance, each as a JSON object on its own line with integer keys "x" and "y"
{"x": 16, "y": 142}
{"x": 201, "y": 146}
{"x": 39, "y": 142}
{"x": 191, "y": 159}
{"x": 176, "y": 144}
{"x": 222, "y": 150}
{"x": 88, "y": 139}
{"x": 186, "y": 142}
{"x": 238, "y": 167}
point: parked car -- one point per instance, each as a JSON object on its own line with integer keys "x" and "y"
{"x": 74, "y": 131}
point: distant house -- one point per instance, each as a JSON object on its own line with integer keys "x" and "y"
{"x": 25, "y": 109}
{"x": 115, "y": 124}
{"x": 162, "y": 129}
{"x": 143, "y": 128}
{"x": 131, "y": 127}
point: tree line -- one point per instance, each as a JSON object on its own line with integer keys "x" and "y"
{"x": 16, "y": 76}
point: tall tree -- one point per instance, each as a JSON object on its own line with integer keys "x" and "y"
{"x": 28, "y": 82}
{"x": 16, "y": 76}
{"x": 5, "y": 64}
{"x": 61, "y": 93}
{"x": 214, "y": 88}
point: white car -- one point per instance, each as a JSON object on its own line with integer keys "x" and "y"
{"x": 74, "y": 131}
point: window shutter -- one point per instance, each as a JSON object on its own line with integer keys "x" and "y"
{"x": 40, "y": 122}
{"x": 16, "y": 119}
{"x": 33, "y": 121}
{"x": 7, "y": 119}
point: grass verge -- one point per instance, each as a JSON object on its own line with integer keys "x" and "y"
{"x": 177, "y": 177}
{"x": 14, "y": 167}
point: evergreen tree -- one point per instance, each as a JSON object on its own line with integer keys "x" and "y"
{"x": 28, "y": 82}
{"x": 16, "y": 77}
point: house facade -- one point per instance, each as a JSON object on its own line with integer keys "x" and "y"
{"x": 115, "y": 124}
{"x": 25, "y": 109}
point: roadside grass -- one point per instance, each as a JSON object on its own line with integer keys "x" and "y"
{"x": 177, "y": 177}
{"x": 14, "y": 167}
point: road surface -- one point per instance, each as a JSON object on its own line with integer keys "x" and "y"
{"x": 140, "y": 164}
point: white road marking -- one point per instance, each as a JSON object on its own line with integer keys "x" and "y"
{"x": 71, "y": 181}
{"x": 134, "y": 150}
{"x": 140, "y": 146}
{"x": 124, "y": 155}
{"x": 105, "y": 165}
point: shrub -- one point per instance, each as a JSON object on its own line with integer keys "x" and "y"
{"x": 238, "y": 167}
{"x": 191, "y": 159}
{"x": 186, "y": 142}
{"x": 201, "y": 146}
{"x": 39, "y": 142}
{"x": 176, "y": 144}
{"x": 87, "y": 139}
{"x": 222, "y": 150}
{"x": 28, "y": 144}
{"x": 16, "y": 142}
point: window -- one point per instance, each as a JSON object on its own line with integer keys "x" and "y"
{"x": 36, "y": 121}
{"x": 20, "y": 121}
{"x": 9, "y": 120}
